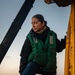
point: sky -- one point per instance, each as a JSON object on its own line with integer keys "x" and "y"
{"x": 57, "y": 19}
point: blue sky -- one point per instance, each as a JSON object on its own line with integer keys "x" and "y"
{"x": 56, "y": 17}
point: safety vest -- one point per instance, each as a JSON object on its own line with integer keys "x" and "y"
{"x": 44, "y": 54}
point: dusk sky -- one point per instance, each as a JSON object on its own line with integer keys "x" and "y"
{"x": 57, "y": 19}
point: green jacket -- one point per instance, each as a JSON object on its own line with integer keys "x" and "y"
{"x": 44, "y": 54}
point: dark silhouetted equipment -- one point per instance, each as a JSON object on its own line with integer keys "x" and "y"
{"x": 62, "y": 3}
{"x": 15, "y": 27}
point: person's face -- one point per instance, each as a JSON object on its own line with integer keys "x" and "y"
{"x": 37, "y": 25}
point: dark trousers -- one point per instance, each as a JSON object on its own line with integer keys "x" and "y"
{"x": 32, "y": 69}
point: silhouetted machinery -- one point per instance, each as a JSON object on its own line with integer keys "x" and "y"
{"x": 15, "y": 27}
{"x": 69, "y": 68}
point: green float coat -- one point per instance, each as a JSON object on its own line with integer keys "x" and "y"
{"x": 44, "y": 54}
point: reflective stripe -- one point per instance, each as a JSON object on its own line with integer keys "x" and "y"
{"x": 51, "y": 39}
{"x": 35, "y": 40}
